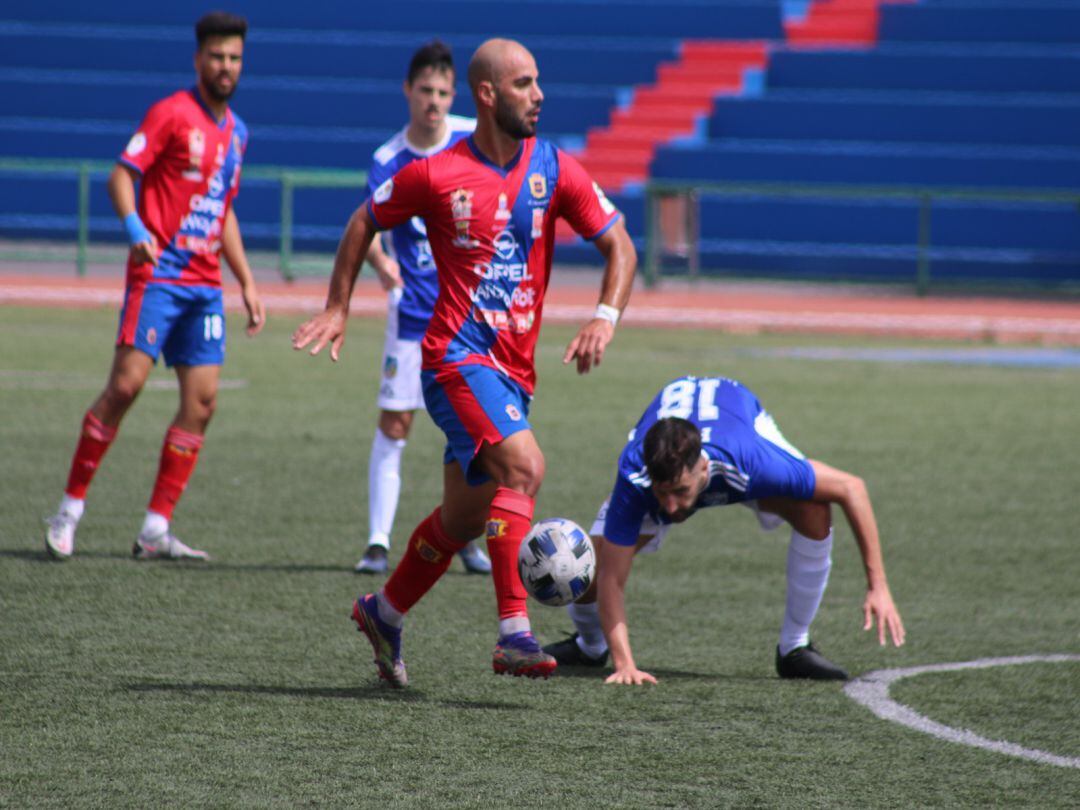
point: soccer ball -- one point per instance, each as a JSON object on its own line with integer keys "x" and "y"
{"x": 556, "y": 561}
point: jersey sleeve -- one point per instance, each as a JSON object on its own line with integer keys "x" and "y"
{"x": 582, "y": 203}
{"x": 378, "y": 173}
{"x": 405, "y": 195}
{"x": 777, "y": 473}
{"x": 150, "y": 139}
{"x": 625, "y": 513}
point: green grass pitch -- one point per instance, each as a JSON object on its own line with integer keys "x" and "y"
{"x": 242, "y": 683}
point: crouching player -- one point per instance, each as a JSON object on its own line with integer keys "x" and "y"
{"x": 708, "y": 442}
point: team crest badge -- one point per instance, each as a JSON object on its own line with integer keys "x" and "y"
{"x": 390, "y": 368}
{"x": 151, "y": 336}
{"x": 538, "y": 185}
{"x": 496, "y": 527}
{"x": 513, "y": 412}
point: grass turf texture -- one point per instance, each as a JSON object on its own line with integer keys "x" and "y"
{"x": 242, "y": 683}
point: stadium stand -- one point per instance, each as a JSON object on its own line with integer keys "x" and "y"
{"x": 938, "y": 93}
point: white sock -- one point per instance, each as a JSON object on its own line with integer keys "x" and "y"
{"x": 808, "y": 564}
{"x": 515, "y": 624}
{"x": 586, "y": 619}
{"x": 72, "y": 507}
{"x": 384, "y": 487}
{"x": 387, "y": 612}
{"x": 154, "y": 525}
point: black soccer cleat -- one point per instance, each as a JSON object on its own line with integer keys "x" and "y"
{"x": 568, "y": 654}
{"x": 807, "y": 662}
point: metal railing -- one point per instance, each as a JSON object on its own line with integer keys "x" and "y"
{"x": 86, "y": 171}
{"x": 690, "y": 193}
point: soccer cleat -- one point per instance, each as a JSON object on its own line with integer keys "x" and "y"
{"x": 164, "y": 547}
{"x": 475, "y": 560}
{"x": 520, "y": 654}
{"x": 567, "y": 653}
{"x": 385, "y": 640}
{"x": 373, "y": 562}
{"x": 60, "y": 535}
{"x": 807, "y": 662}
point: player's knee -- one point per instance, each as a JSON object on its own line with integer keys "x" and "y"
{"x": 119, "y": 394}
{"x": 525, "y": 473}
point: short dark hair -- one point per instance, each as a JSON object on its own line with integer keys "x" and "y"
{"x": 671, "y": 446}
{"x": 435, "y": 54}
{"x": 219, "y": 24}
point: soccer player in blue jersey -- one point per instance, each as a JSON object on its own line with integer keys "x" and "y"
{"x": 708, "y": 442}
{"x": 410, "y": 279}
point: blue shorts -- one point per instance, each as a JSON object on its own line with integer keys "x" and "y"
{"x": 474, "y": 405}
{"x": 187, "y": 324}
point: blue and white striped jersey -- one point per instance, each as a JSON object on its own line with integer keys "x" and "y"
{"x": 409, "y": 240}
{"x": 748, "y": 456}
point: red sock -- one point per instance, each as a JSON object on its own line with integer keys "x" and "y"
{"x": 427, "y": 556}
{"x": 94, "y": 440}
{"x": 509, "y": 522}
{"x": 179, "y": 453}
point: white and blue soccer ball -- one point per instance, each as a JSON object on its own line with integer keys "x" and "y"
{"x": 556, "y": 561}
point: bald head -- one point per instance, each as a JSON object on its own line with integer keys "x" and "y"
{"x": 495, "y": 58}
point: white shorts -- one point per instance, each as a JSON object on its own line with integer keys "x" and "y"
{"x": 399, "y": 386}
{"x": 652, "y": 534}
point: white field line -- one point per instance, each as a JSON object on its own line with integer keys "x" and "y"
{"x": 872, "y": 691}
{"x": 975, "y": 326}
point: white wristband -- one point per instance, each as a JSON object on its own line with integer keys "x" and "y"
{"x": 606, "y": 313}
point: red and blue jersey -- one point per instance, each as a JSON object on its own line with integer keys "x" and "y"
{"x": 411, "y": 246}
{"x": 492, "y": 232}
{"x": 190, "y": 167}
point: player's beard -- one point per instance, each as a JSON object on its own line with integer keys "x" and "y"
{"x": 216, "y": 93}
{"x": 513, "y": 125}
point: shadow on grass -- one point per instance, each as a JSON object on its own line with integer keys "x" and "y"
{"x": 372, "y": 692}
{"x": 40, "y": 555}
{"x": 600, "y": 673}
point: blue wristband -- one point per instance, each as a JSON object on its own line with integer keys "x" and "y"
{"x": 136, "y": 231}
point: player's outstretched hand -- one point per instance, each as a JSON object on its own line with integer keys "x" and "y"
{"x": 326, "y": 327}
{"x": 255, "y": 310}
{"x": 632, "y": 676}
{"x": 879, "y": 604}
{"x": 589, "y": 344}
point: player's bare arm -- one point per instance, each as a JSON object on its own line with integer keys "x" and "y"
{"x": 849, "y": 491}
{"x": 232, "y": 246}
{"x": 385, "y": 266}
{"x": 621, "y": 263}
{"x": 612, "y": 571}
{"x": 328, "y": 327}
{"x": 121, "y": 185}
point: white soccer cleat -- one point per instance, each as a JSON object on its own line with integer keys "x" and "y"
{"x": 60, "y": 535}
{"x": 164, "y": 547}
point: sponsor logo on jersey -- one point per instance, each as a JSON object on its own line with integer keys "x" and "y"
{"x": 538, "y": 185}
{"x": 196, "y": 150}
{"x": 605, "y": 204}
{"x": 503, "y": 212}
{"x": 461, "y": 213}
{"x": 137, "y": 144}
{"x": 383, "y": 192}
{"x": 537, "y": 223}
{"x": 506, "y": 245}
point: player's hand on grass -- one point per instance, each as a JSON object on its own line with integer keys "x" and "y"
{"x": 879, "y": 604}
{"x": 589, "y": 344}
{"x": 255, "y": 310}
{"x": 631, "y": 675}
{"x": 326, "y": 327}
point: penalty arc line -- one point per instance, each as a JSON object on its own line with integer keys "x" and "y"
{"x": 872, "y": 691}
